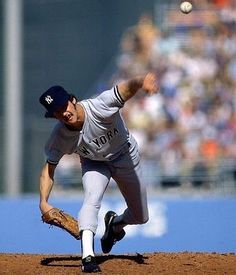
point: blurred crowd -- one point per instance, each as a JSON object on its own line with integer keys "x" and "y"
{"x": 186, "y": 133}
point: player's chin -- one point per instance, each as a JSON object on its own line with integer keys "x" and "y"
{"x": 70, "y": 121}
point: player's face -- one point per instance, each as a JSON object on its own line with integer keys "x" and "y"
{"x": 67, "y": 114}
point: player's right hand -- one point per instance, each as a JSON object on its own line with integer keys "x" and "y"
{"x": 150, "y": 84}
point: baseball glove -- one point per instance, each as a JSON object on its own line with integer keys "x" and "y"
{"x": 63, "y": 220}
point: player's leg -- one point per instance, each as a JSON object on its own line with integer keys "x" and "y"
{"x": 95, "y": 178}
{"x": 134, "y": 192}
{"x": 126, "y": 171}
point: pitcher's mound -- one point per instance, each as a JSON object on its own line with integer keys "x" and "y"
{"x": 148, "y": 263}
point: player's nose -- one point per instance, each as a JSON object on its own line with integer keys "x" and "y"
{"x": 67, "y": 115}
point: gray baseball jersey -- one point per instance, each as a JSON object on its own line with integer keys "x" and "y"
{"x": 103, "y": 136}
{"x": 107, "y": 150}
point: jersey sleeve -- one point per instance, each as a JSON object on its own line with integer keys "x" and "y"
{"x": 107, "y": 103}
{"x": 112, "y": 98}
{"x": 53, "y": 155}
{"x": 53, "y": 147}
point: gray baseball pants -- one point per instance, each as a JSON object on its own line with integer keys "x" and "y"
{"x": 126, "y": 171}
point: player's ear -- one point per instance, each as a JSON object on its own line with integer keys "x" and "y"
{"x": 74, "y": 100}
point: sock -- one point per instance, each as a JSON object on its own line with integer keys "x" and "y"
{"x": 87, "y": 243}
{"x": 118, "y": 224}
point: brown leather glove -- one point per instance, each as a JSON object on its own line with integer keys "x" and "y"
{"x": 63, "y": 220}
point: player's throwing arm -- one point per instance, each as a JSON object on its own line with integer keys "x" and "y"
{"x": 147, "y": 83}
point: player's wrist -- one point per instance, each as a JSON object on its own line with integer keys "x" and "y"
{"x": 44, "y": 206}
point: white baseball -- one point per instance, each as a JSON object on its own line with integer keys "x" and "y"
{"x": 186, "y": 7}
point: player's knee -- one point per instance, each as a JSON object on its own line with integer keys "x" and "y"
{"x": 143, "y": 219}
{"x": 136, "y": 218}
{"x": 146, "y": 219}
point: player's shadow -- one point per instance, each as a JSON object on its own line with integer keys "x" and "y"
{"x": 66, "y": 261}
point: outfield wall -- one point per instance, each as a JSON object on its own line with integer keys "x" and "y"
{"x": 176, "y": 224}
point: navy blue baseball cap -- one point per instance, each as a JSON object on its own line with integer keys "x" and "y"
{"x": 53, "y": 99}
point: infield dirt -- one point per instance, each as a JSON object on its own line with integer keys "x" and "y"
{"x": 145, "y": 264}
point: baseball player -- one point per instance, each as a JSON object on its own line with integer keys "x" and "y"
{"x": 95, "y": 130}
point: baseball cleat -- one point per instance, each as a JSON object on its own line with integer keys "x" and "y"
{"x": 110, "y": 237}
{"x": 89, "y": 265}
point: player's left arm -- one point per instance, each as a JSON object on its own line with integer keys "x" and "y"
{"x": 46, "y": 184}
{"x": 147, "y": 83}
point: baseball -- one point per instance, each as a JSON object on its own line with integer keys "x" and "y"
{"x": 186, "y": 7}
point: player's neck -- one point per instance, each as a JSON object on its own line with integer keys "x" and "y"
{"x": 75, "y": 127}
{"x": 80, "y": 114}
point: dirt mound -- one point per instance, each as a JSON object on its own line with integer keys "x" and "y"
{"x": 156, "y": 263}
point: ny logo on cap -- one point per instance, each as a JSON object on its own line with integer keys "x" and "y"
{"x": 49, "y": 99}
